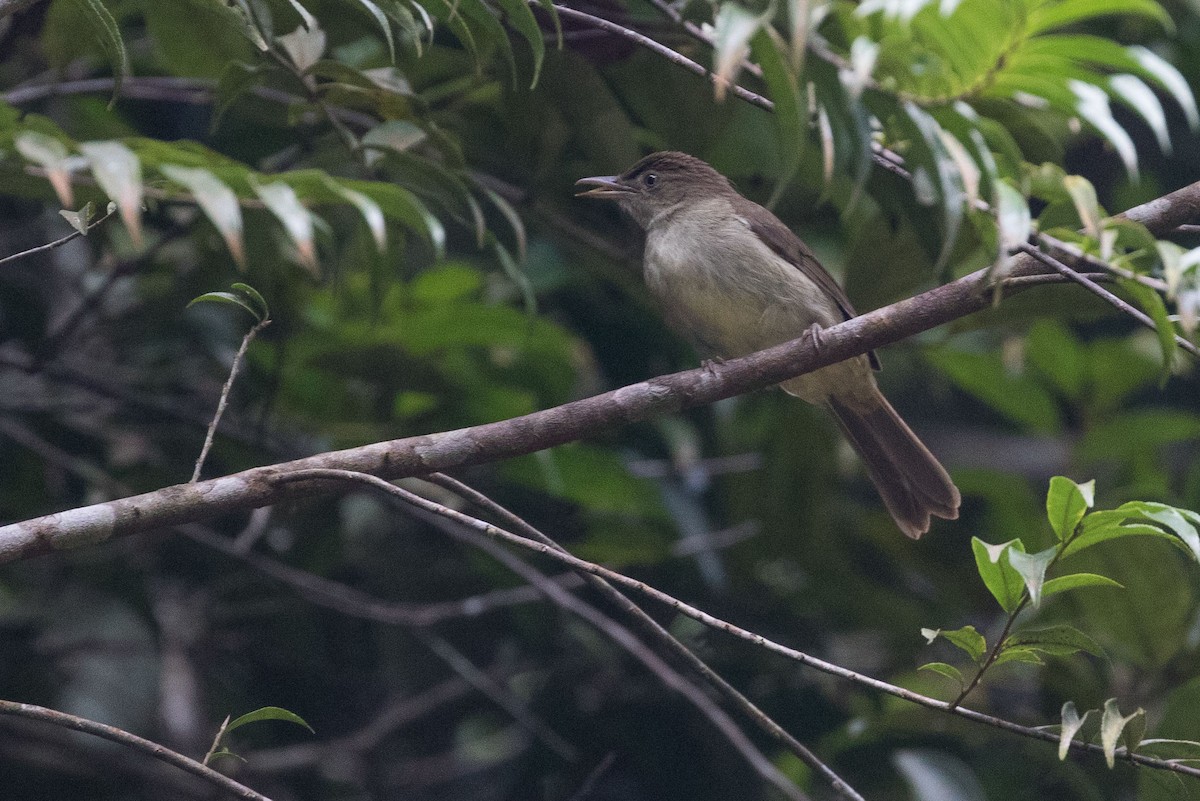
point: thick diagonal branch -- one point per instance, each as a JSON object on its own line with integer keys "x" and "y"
{"x": 491, "y": 442}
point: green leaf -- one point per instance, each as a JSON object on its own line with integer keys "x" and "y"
{"x": 1027, "y": 656}
{"x": 1060, "y": 640}
{"x": 371, "y": 213}
{"x": 1067, "y": 503}
{"x": 1171, "y": 80}
{"x": 119, "y": 173}
{"x": 1110, "y": 524}
{"x": 1154, "y": 306}
{"x": 1092, "y": 105}
{"x": 52, "y": 156}
{"x": 1141, "y": 98}
{"x": 1046, "y": 16}
{"x": 79, "y": 220}
{"x": 997, "y": 572}
{"x": 1014, "y": 222}
{"x": 1071, "y": 724}
{"x": 1170, "y": 749}
{"x": 966, "y": 639}
{"x": 228, "y": 298}
{"x": 1083, "y": 195}
{"x": 942, "y": 669}
{"x": 268, "y": 713}
{"x": 106, "y": 29}
{"x": 382, "y": 21}
{"x": 1032, "y": 568}
{"x": 260, "y": 304}
{"x": 517, "y": 275}
{"x": 1018, "y": 397}
{"x": 217, "y": 201}
{"x": 767, "y": 49}
{"x": 297, "y": 221}
{"x": 733, "y": 28}
{"x": 1113, "y": 724}
{"x": 520, "y": 15}
{"x": 1074, "y": 581}
{"x": 1180, "y": 522}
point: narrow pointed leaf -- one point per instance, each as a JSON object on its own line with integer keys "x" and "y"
{"x": 943, "y": 669}
{"x": 382, "y": 21}
{"x": 281, "y": 200}
{"x": 1074, "y": 581}
{"x": 52, "y": 156}
{"x": 268, "y": 713}
{"x": 1061, "y": 640}
{"x": 119, "y": 173}
{"x": 217, "y": 201}
{"x": 371, "y": 213}
{"x": 102, "y": 22}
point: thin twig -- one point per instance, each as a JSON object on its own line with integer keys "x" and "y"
{"x": 123, "y": 737}
{"x": 1077, "y": 253}
{"x": 56, "y": 243}
{"x": 696, "y": 32}
{"x": 860, "y": 679}
{"x": 495, "y": 693}
{"x": 233, "y": 370}
{"x": 435, "y": 514}
{"x": 659, "y": 634}
{"x": 216, "y": 743}
{"x": 1103, "y": 293}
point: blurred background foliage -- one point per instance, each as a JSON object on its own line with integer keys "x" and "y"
{"x": 396, "y": 179}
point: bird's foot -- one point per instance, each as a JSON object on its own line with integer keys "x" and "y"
{"x": 709, "y": 365}
{"x": 816, "y": 334}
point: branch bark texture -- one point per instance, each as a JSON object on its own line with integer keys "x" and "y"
{"x": 449, "y": 450}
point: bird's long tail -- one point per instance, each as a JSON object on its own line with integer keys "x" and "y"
{"x": 911, "y": 481}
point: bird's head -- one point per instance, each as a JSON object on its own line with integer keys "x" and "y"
{"x": 657, "y": 184}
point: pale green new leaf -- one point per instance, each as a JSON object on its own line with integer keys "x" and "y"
{"x": 1083, "y": 195}
{"x": 1032, "y": 569}
{"x": 1171, "y": 80}
{"x": 1141, "y": 98}
{"x": 1092, "y": 105}
{"x": 1071, "y": 724}
{"x": 1046, "y": 16}
{"x": 1112, "y": 724}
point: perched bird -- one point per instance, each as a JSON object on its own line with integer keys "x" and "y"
{"x": 733, "y": 279}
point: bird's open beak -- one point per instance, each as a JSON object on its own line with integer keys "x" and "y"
{"x": 602, "y": 186}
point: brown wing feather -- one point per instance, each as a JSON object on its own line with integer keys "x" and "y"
{"x": 780, "y": 239}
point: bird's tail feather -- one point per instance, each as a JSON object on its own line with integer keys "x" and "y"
{"x": 911, "y": 481}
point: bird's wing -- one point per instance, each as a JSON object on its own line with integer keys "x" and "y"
{"x": 779, "y": 238}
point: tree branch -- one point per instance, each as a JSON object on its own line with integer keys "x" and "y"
{"x": 491, "y": 442}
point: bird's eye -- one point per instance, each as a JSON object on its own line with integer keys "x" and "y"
{"x": 649, "y": 179}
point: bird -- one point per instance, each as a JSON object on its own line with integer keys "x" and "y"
{"x": 732, "y": 279}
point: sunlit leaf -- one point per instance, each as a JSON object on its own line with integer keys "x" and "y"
{"x": 1171, "y": 80}
{"x": 50, "y": 154}
{"x": 79, "y": 220}
{"x": 304, "y": 46}
{"x": 1093, "y": 107}
{"x": 119, "y": 173}
{"x": 1083, "y": 195}
{"x": 371, "y": 213}
{"x": 282, "y": 201}
{"x": 1032, "y": 569}
{"x": 1071, "y": 724}
{"x": 1139, "y": 97}
{"x": 382, "y": 21}
{"x": 217, "y": 201}
{"x": 733, "y": 28}
{"x": 1112, "y": 724}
